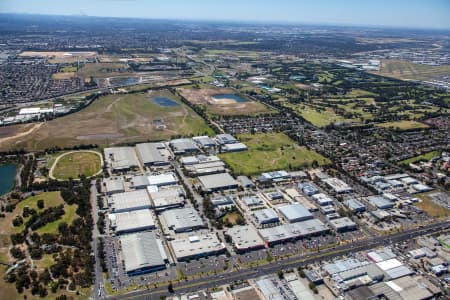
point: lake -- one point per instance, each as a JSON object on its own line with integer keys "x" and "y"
{"x": 234, "y": 97}
{"x": 7, "y": 178}
{"x": 165, "y": 102}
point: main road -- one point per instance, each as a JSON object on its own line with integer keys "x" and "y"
{"x": 291, "y": 262}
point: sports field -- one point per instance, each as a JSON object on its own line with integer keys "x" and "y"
{"x": 110, "y": 120}
{"x": 270, "y": 152}
{"x": 74, "y": 164}
{"x": 403, "y": 125}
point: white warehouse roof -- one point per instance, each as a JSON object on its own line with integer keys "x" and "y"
{"x": 129, "y": 201}
{"x": 133, "y": 221}
{"x": 295, "y": 212}
{"x": 195, "y": 246}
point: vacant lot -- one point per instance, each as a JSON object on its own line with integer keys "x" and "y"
{"x": 110, "y": 120}
{"x": 431, "y": 207}
{"x": 204, "y": 97}
{"x": 269, "y": 152}
{"x": 74, "y": 164}
{"x": 408, "y": 70}
{"x": 403, "y": 125}
{"x": 319, "y": 118}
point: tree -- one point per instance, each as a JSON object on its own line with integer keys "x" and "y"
{"x": 40, "y": 204}
{"x": 170, "y": 288}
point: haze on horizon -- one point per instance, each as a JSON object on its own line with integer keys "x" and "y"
{"x": 399, "y": 13}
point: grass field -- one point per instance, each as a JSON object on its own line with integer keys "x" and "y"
{"x": 423, "y": 157}
{"x": 432, "y": 208}
{"x": 232, "y": 217}
{"x": 109, "y": 120}
{"x": 102, "y": 70}
{"x": 319, "y": 118}
{"x": 402, "y": 69}
{"x": 51, "y": 199}
{"x": 269, "y": 152}
{"x": 74, "y": 164}
{"x": 403, "y": 125}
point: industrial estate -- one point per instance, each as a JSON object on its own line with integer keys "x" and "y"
{"x": 222, "y": 161}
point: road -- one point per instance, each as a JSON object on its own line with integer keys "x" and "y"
{"x": 98, "y": 284}
{"x": 292, "y": 262}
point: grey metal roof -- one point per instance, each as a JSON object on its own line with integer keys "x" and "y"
{"x": 182, "y": 219}
{"x": 217, "y": 181}
{"x": 183, "y": 145}
{"x": 142, "y": 250}
{"x": 295, "y": 212}
{"x": 226, "y": 138}
{"x": 133, "y": 200}
{"x": 121, "y": 157}
{"x": 149, "y": 153}
{"x": 134, "y": 220}
{"x": 245, "y": 237}
{"x": 266, "y": 215}
{"x": 354, "y": 204}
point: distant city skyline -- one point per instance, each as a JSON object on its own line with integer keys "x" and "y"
{"x": 383, "y": 13}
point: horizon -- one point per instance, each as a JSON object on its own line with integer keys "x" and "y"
{"x": 416, "y": 15}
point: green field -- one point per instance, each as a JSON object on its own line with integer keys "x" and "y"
{"x": 402, "y": 69}
{"x": 270, "y": 152}
{"x": 73, "y": 165}
{"x": 51, "y": 199}
{"x": 403, "y": 125}
{"x": 319, "y": 118}
{"x": 423, "y": 157}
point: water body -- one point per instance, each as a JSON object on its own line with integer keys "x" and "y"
{"x": 235, "y": 97}
{"x": 120, "y": 81}
{"x": 7, "y": 178}
{"x": 165, "y": 102}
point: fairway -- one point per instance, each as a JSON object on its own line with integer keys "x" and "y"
{"x": 74, "y": 164}
{"x": 110, "y": 120}
{"x": 270, "y": 152}
{"x": 403, "y": 125}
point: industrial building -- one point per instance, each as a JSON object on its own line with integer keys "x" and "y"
{"x": 288, "y": 232}
{"x": 339, "y": 186}
{"x": 204, "y": 142}
{"x": 196, "y": 246}
{"x": 121, "y": 158}
{"x": 133, "y": 221}
{"x": 222, "y": 201}
{"x": 380, "y": 202}
{"x": 393, "y": 268}
{"x": 168, "y": 197}
{"x": 308, "y": 188}
{"x": 343, "y": 224}
{"x": 142, "y": 253}
{"x": 295, "y": 195}
{"x": 217, "y": 182}
{"x": 203, "y": 165}
{"x": 295, "y": 213}
{"x": 113, "y": 186}
{"x": 355, "y": 205}
{"x": 266, "y": 216}
{"x": 252, "y": 201}
{"x": 236, "y": 147}
{"x": 139, "y": 182}
{"x": 245, "y": 238}
{"x": 182, "y": 219}
{"x": 129, "y": 201}
{"x": 245, "y": 182}
{"x": 183, "y": 146}
{"x": 275, "y": 176}
{"x": 153, "y": 154}
{"x": 223, "y": 139}
{"x": 322, "y": 199}
{"x": 162, "y": 179}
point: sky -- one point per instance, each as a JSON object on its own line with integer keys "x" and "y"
{"x": 390, "y": 13}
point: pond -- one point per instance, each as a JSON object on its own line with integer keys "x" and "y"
{"x": 234, "y": 97}
{"x": 7, "y": 178}
{"x": 165, "y": 102}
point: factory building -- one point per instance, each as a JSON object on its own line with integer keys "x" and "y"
{"x": 133, "y": 221}
{"x": 204, "y": 142}
{"x": 236, "y": 147}
{"x": 217, "y": 182}
{"x": 308, "y": 188}
{"x": 343, "y": 224}
{"x": 223, "y": 139}
{"x": 142, "y": 253}
{"x": 266, "y": 216}
{"x": 245, "y": 182}
{"x": 354, "y": 205}
{"x": 182, "y": 219}
{"x": 167, "y": 198}
{"x": 121, "y": 159}
{"x": 139, "y": 182}
{"x": 339, "y": 186}
{"x": 183, "y": 146}
{"x": 196, "y": 246}
{"x": 295, "y": 213}
{"x": 252, "y": 201}
{"x": 275, "y": 176}
{"x": 113, "y": 186}
{"x": 129, "y": 201}
{"x": 153, "y": 154}
{"x": 289, "y": 232}
{"x": 322, "y": 199}
{"x": 245, "y": 238}
{"x": 202, "y": 165}
{"x": 162, "y": 179}
{"x": 380, "y": 202}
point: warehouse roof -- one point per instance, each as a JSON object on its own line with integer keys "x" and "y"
{"x": 234, "y": 147}
{"x": 114, "y": 185}
{"x": 183, "y": 145}
{"x": 150, "y": 153}
{"x": 354, "y": 204}
{"x": 167, "y": 196}
{"x": 337, "y": 185}
{"x": 121, "y": 157}
{"x": 182, "y": 218}
{"x": 133, "y": 220}
{"x": 140, "y": 181}
{"x": 295, "y": 212}
{"x": 292, "y": 231}
{"x": 162, "y": 179}
{"x": 245, "y": 237}
{"x": 344, "y": 222}
{"x": 226, "y": 139}
{"x": 380, "y": 202}
{"x": 130, "y": 200}
{"x": 142, "y": 250}
{"x": 196, "y": 245}
{"x": 204, "y": 141}
{"x": 266, "y": 215}
{"x": 217, "y": 181}
{"x": 381, "y": 255}
{"x": 389, "y": 264}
